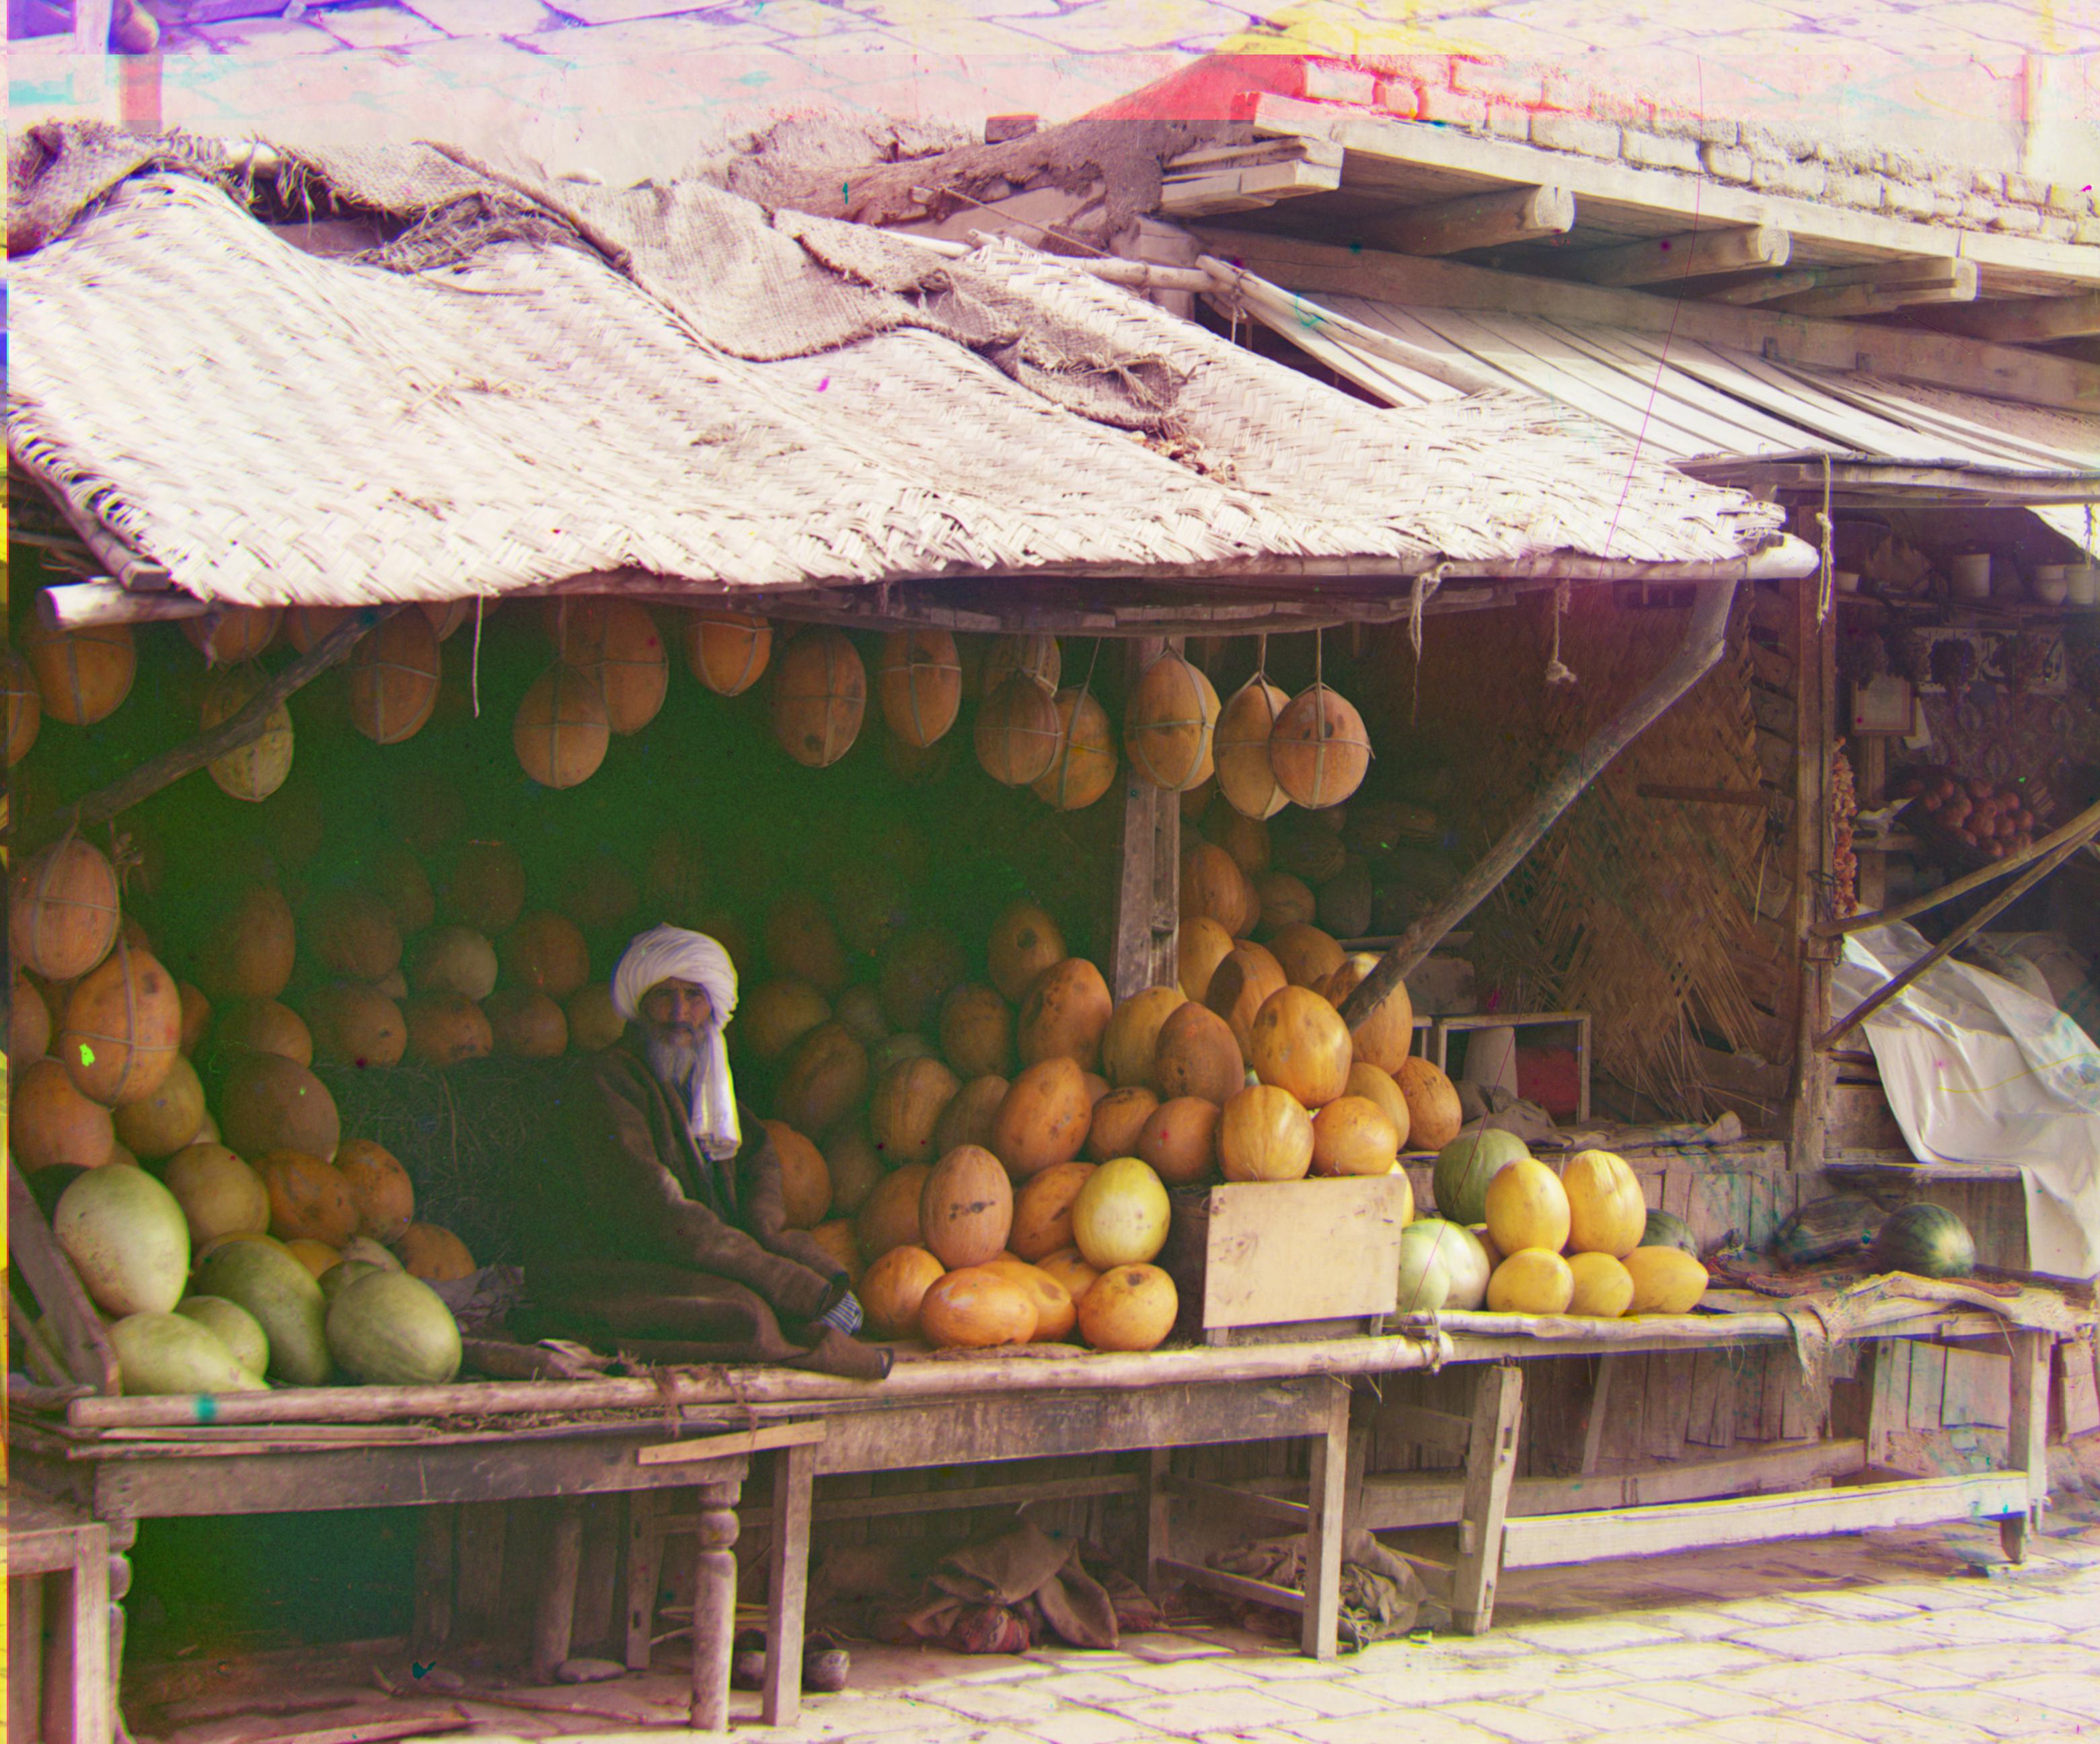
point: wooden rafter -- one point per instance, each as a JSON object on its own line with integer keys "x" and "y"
{"x": 1476, "y": 220}
{"x": 1694, "y": 254}
{"x": 2029, "y": 321}
{"x": 1244, "y": 178}
{"x": 1848, "y": 290}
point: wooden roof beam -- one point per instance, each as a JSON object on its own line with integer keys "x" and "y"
{"x": 1850, "y": 291}
{"x": 1696, "y": 254}
{"x": 1476, "y": 221}
{"x": 2027, "y": 321}
{"x": 1245, "y": 179}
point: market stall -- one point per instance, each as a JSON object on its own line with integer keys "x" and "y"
{"x": 355, "y": 736}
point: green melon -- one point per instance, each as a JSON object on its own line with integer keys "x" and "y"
{"x": 1464, "y": 1168}
{"x": 233, "y": 1326}
{"x": 389, "y": 1329}
{"x": 1838, "y": 1228}
{"x": 1468, "y": 1263}
{"x": 1425, "y": 1274}
{"x": 171, "y": 1352}
{"x": 260, "y": 1276}
{"x": 346, "y": 1272}
{"x": 1665, "y": 1229}
{"x": 1928, "y": 1241}
{"x": 127, "y": 1237}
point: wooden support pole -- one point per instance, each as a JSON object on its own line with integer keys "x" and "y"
{"x": 1476, "y": 221}
{"x": 645, "y": 1559}
{"x": 245, "y": 725}
{"x": 787, "y": 1589}
{"x": 2025, "y": 321}
{"x": 432, "y": 1625}
{"x": 1158, "y": 1497}
{"x": 2027, "y": 1435}
{"x": 1696, "y": 254}
{"x": 1704, "y": 637}
{"x": 1320, "y": 1621}
{"x": 1490, "y": 1469}
{"x": 1813, "y": 867}
{"x": 554, "y": 1620}
{"x": 1877, "y": 290}
{"x": 1150, "y": 859}
{"x": 714, "y": 1607}
{"x": 1759, "y": 796}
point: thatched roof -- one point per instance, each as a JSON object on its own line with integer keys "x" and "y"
{"x": 669, "y": 385}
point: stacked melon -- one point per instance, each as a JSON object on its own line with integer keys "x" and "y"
{"x": 1581, "y": 1242}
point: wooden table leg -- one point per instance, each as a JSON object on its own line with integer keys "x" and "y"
{"x": 794, "y": 1477}
{"x": 80, "y": 1703}
{"x": 433, "y": 1623}
{"x": 645, "y": 1564}
{"x": 1600, "y": 1398}
{"x": 714, "y": 1605}
{"x": 25, "y": 1656}
{"x": 2027, "y": 1436}
{"x": 123, "y": 1534}
{"x": 1490, "y": 1468}
{"x": 1158, "y": 1520}
{"x": 554, "y": 1620}
{"x": 1319, "y": 1624}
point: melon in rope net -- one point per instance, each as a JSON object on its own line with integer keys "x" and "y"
{"x": 1016, "y": 732}
{"x": 393, "y": 672}
{"x": 1037, "y": 657}
{"x": 29, "y": 1022}
{"x": 253, "y": 771}
{"x": 819, "y": 697}
{"x": 1168, "y": 723}
{"x": 62, "y": 910}
{"x": 52, "y": 1125}
{"x": 230, "y": 635}
{"x": 728, "y": 651}
{"x": 616, "y": 645}
{"x": 1319, "y": 748}
{"x": 303, "y": 626}
{"x": 1084, "y": 766}
{"x": 918, "y": 685}
{"x": 1245, "y": 776}
{"x": 122, "y": 1029}
{"x": 562, "y": 730}
{"x": 82, "y": 676}
{"x": 25, "y": 708}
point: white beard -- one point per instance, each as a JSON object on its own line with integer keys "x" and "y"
{"x": 674, "y": 1063}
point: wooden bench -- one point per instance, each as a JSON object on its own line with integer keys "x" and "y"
{"x": 62, "y": 1666}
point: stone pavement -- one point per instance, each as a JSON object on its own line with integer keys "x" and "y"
{"x": 1922, "y": 1637}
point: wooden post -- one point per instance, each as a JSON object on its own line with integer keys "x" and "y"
{"x": 479, "y": 1536}
{"x": 714, "y": 1605}
{"x": 555, "y": 1620}
{"x": 433, "y": 1624}
{"x": 1490, "y": 1468}
{"x": 1885, "y": 1378}
{"x": 1321, "y": 1620}
{"x": 1158, "y": 1517}
{"x": 1593, "y": 1427}
{"x": 80, "y": 1701}
{"x": 597, "y": 1632}
{"x": 1150, "y": 863}
{"x": 1816, "y": 687}
{"x": 788, "y": 1589}
{"x": 2027, "y": 1435}
{"x": 645, "y": 1558}
{"x": 25, "y": 1657}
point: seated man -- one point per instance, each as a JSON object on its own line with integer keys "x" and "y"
{"x": 666, "y": 1236}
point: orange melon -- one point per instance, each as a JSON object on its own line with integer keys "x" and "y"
{"x": 263, "y": 1026}
{"x": 380, "y": 1190}
{"x": 1084, "y": 766}
{"x": 800, "y": 941}
{"x": 1025, "y": 941}
{"x": 197, "y": 1016}
{"x": 806, "y": 1183}
{"x": 890, "y": 1216}
{"x": 616, "y": 645}
{"x": 526, "y": 1025}
{"x": 1244, "y": 983}
{"x": 893, "y": 1286}
{"x": 393, "y": 672}
{"x": 819, "y": 696}
{"x": 1245, "y": 776}
{"x": 1119, "y": 1117}
{"x": 771, "y": 1018}
{"x": 29, "y": 1022}
{"x": 1180, "y": 1141}
{"x": 1299, "y": 1042}
{"x": 356, "y": 1026}
{"x": 1434, "y": 1114}
{"x": 445, "y": 1029}
{"x": 545, "y": 953}
{"x": 1202, "y": 945}
{"x": 1016, "y": 732}
{"x": 1044, "y": 1118}
{"x": 309, "y": 1199}
{"x": 918, "y": 969}
{"x": 1056, "y": 1312}
{"x": 1132, "y": 1035}
{"x": 593, "y": 1025}
{"x": 52, "y": 1125}
{"x": 1284, "y": 901}
{"x": 967, "y": 1119}
{"x": 251, "y": 949}
{"x": 1352, "y": 1136}
{"x": 1036, "y": 657}
{"x": 82, "y": 676}
{"x": 919, "y": 684}
{"x": 1319, "y": 748}
{"x": 352, "y": 933}
{"x": 1214, "y": 887}
{"x": 231, "y": 634}
{"x": 908, "y": 1102}
{"x": 219, "y": 1194}
{"x": 1385, "y": 1038}
{"x": 975, "y": 1309}
{"x": 123, "y": 1023}
{"x": 1042, "y": 1210}
{"x": 966, "y": 1208}
{"x": 25, "y": 710}
{"x": 836, "y": 1238}
{"x": 727, "y": 651}
{"x": 62, "y": 910}
{"x": 1196, "y": 1056}
{"x": 1129, "y": 1308}
{"x": 1378, "y": 1086}
{"x": 1264, "y": 1134}
{"x": 1308, "y": 956}
{"x": 435, "y": 1255}
{"x": 826, "y": 1079}
{"x": 1168, "y": 723}
{"x": 1065, "y": 1013}
{"x": 855, "y": 1168}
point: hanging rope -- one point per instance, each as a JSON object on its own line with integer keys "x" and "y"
{"x": 1556, "y": 672}
{"x": 1826, "y": 577}
{"x": 474, "y": 666}
{"x": 1425, "y": 584}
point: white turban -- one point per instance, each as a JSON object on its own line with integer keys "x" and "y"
{"x": 672, "y": 954}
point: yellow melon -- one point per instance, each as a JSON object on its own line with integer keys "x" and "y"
{"x": 1531, "y": 1280}
{"x": 1133, "y": 1033}
{"x": 1069, "y": 1267}
{"x": 1604, "y": 1288}
{"x": 1527, "y": 1207}
{"x": 1385, "y": 1038}
{"x": 1242, "y": 985}
{"x": 1121, "y": 1214}
{"x": 1203, "y": 944}
{"x": 1043, "y": 1117}
{"x": 1607, "y": 1211}
{"x": 1666, "y": 1280}
{"x": 317, "y": 1257}
{"x": 1352, "y": 1136}
{"x": 1434, "y": 1115}
{"x": 966, "y": 1208}
{"x": 1245, "y": 776}
{"x": 1129, "y": 1308}
{"x": 909, "y": 1100}
{"x": 1264, "y": 1134}
{"x": 1367, "y": 1080}
{"x": 1308, "y": 956}
{"x": 434, "y": 1254}
{"x": 1299, "y": 1042}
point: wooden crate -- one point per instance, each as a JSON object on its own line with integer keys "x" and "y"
{"x": 1256, "y": 1255}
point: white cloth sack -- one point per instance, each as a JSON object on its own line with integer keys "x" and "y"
{"x": 1978, "y": 1070}
{"x": 666, "y": 953}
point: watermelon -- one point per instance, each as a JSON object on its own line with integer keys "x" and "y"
{"x": 1664, "y": 1229}
{"x": 233, "y": 1326}
{"x": 127, "y": 1237}
{"x": 171, "y": 1352}
{"x": 1464, "y": 1168}
{"x": 259, "y": 1275}
{"x": 1826, "y": 1229}
{"x": 389, "y": 1329}
{"x": 1928, "y": 1241}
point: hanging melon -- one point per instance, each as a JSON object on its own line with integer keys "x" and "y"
{"x": 233, "y": 634}
{"x": 1245, "y": 776}
{"x": 394, "y": 673}
{"x": 82, "y": 676}
{"x": 62, "y": 910}
{"x": 819, "y": 697}
{"x": 1084, "y": 766}
{"x": 1168, "y": 723}
{"x": 615, "y": 645}
{"x": 1036, "y": 657}
{"x": 1016, "y": 732}
{"x": 727, "y": 650}
{"x": 303, "y": 626}
{"x": 52, "y": 1125}
{"x": 563, "y": 728}
{"x": 919, "y": 684}
{"x": 448, "y": 617}
{"x": 122, "y": 1027}
{"x": 1319, "y": 748}
{"x": 25, "y": 709}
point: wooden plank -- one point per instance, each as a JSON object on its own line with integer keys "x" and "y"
{"x": 1971, "y": 365}
{"x": 1237, "y": 1501}
{"x": 1396, "y": 1503}
{"x": 2024, "y": 321}
{"x": 1443, "y": 1431}
{"x": 788, "y": 1589}
{"x": 25, "y": 1656}
{"x": 599, "y": 1630}
{"x": 645, "y": 1554}
{"x": 2078, "y": 1389}
{"x": 1326, "y": 1483}
{"x": 1690, "y": 254}
{"x": 481, "y": 1531}
{"x": 1285, "y": 1251}
{"x": 435, "y": 1580}
{"x": 1667, "y": 1421}
{"x": 1599, "y": 1412}
{"x": 1490, "y": 1469}
{"x": 1131, "y": 957}
{"x": 1476, "y": 220}
{"x": 1547, "y": 1541}
{"x": 1813, "y": 867}
{"x": 1234, "y": 1586}
{"x": 1976, "y": 1391}
{"x": 738, "y": 1441}
{"x": 1244, "y": 190}
{"x": 1928, "y": 1380}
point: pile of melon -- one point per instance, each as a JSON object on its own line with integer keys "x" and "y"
{"x": 260, "y": 1209}
{"x": 1517, "y": 1238}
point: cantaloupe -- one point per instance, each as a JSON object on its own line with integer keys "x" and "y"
{"x": 1434, "y": 1115}
{"x": 263, "y": 1026}
{"x": 977, "y": 1032}
{"x": 352, "y": 1025}
{"x": 1120, "y": 1214}
{"x": 1132, "y": 1036}
{"x": 1084, "y": 767}
{"x": 168, "y": 1353}
{"x": 1025, "y": 941}
{"x": 127, "y": 1237}
{"x": 1607, "y": 1210}
{"x": 1242, "y": 983}
{"x": 893, "y": 1288}
{"x": 1241, "y": 738}
{"x": 1195, "y": 1055}
{"x": 1180, "y": 1141}
{"x": 527, "y": 1025}
{"x": 1386, "y": 1036}
{"x": 615, "y": 643}
{"x": 258, "y": 1275}
{"x": 1604, "y": 1288}
{"x": 1284, "y": 902}
{"x": 1531, "y": 1280}
{"x": 1065, "y": 1013}
{"x": 826, "y": 1079}
{"x": 851, "y": 1161}
{"x": 890, "y": 1217}
{"x": 1245, "y": 839}
{"x": 1352, "y": 1136}
{"x": 1042, "y": 1210}
{"x": 381, "y": 1192}
{"x": 908, "y": 1102}
{"x": 1118, "y": 1118}
{"x": 976, "y": 1308}
{"x": 1202, "y": 943}
{"x": 433, "y": 1253}
{"x": 1168, "y": 722}
{"x": 966, "y": 1208}
{"x": 967, "y": 1119}
{"x": 1043, "y": 1117}
{"x": 1666, "y": 1280}
{"x": 233, "y": 1326}
{"x": 352, "y": 933}
{"x": 220, "y": 1194}
{"x": 806, "y": 1183}
{"x": 1129, "y": 1307}
{"x": 160, "y": 1125}
{"x": 1466, "y": 1165}
{"x": 727, "y": 651}
{"x": 819, "y": 696}
{"x": 123, "y": 1023}
{"x": 1527, "y": 1207}
{"x": 1264, "y": 1134}
{"x": 390, "y": 1329}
